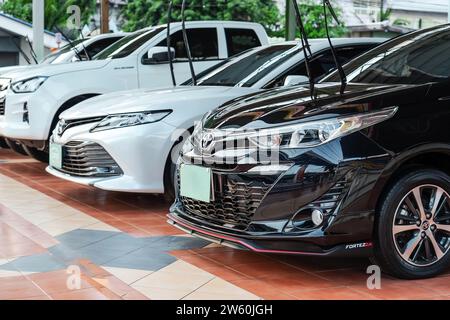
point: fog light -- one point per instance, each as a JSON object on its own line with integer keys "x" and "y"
{"x": 317, "y": 217}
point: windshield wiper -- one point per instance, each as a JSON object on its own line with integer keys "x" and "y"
{"x": 342, "y": 75}
{"x": 33, "y": 53}
{"x": 306, "y": 48}
{"x": 82, "y": 44}
{"x": 70, "y": 43}
{"x": 186, "y": 43}
{"x": 169, "y": 42}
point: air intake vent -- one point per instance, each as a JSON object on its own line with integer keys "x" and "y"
{"x": 87, "y": 159}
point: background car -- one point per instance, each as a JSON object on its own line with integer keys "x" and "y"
{"x": 79, "y": 49}
{"x": 127, "y": 141}
{"x": 36, "y": 97}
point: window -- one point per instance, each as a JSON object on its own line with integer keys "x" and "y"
{"x": 126, "y": 46}
{"x": 101, "y": 45}
{"x": 248, "y": 69}
{"x": 323, "y": 63}
{"x": 202, "y": 42}
{"x": 417, "y": 58}
{"x": 239, "y": 40}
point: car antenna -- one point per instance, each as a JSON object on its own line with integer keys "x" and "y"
{"x": 342, "y": 75}
{"x": 70, "y": 43}
{"x": 82, "y": 44}
{"x": 33, "y": 53}
{"x": 27, "y": 58}
{"x": 169, "y": 42}
{"x": 186, "y": 42}
{"x": 306, "y": 48}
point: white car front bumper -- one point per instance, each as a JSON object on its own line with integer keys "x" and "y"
{"x": 140, "y": 151}
{"x": 28, "y": 116}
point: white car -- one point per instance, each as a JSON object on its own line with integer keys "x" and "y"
{"x": 125, "y": 141}
{"x": 37, "y": 96}
{"x": 69, "y": 53}
{"x": 90, "y": 45}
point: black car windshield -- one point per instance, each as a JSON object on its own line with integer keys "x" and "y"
{"x": 416, "y": 58}
{"x": 126, "y": 46}
{"x": 62, "y": 54}
{"x": 248, "y": 68}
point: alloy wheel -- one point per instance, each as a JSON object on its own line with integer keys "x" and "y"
{"x": 421, "y": 227}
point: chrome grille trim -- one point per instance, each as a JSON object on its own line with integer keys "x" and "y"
{"x": 88, "y": 159}
{"x": 68, "y": 124}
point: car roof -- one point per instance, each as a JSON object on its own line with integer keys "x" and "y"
{"x": 207, "y": 22}
{"x": 323, "y": 42}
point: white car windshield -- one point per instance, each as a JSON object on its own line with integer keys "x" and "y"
{"x": 247, "y": 69}
{"x": 62, "y": 55}
{"x": 129, "y": 44}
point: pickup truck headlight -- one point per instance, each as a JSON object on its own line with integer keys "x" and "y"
{"x": 28, "y": 85}
{"x": 315, "y": 133}
{"x": 130, "y": 119}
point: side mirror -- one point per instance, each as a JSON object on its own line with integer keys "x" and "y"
{"x": 158, "y": 55}
{"x": 295, "y": 80}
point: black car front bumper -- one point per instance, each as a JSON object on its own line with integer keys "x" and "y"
{"x": 271, "y": 213}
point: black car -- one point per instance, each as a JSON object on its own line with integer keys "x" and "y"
{"x": 348, "y": 169}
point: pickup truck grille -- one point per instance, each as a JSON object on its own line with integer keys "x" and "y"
{"x": 88, "y": 159}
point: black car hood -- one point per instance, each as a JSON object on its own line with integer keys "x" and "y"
{"x": 285, "y": 105}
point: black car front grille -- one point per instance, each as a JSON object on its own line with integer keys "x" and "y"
{"x": 2, "y": 106}
{"x": 233, "y": 206}
{"x": 88, "y": 159}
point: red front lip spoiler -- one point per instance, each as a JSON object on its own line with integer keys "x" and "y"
{"x": 174, "y": 221}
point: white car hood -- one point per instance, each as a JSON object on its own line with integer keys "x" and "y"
{"x": 5, "y": 70}
{"x": 158, "y": 99}
{"x": 48, "y": 70}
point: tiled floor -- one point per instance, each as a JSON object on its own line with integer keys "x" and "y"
{"x": 60, "y": 240}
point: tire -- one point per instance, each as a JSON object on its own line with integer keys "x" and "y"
{"x": 39, "y": 155}
{"x": 3, "y": 144}
{"x": 406, "y": 237}
{"x": 15, "y": 146}
{"x": 170, "y": 175}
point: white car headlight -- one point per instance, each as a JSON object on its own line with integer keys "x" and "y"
{"x": 313, "y": 133}
{"x": 130, "y": 119}
{"x": 28, "y": 85}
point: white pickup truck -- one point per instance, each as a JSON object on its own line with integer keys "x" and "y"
{"x": 35, "y": 98}
{"x": 74, "y": 52}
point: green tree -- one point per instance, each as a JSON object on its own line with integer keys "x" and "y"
{"x": 55, "y": 11}
{"x": 314, "y": 19}
{"x": 144, "y": 13}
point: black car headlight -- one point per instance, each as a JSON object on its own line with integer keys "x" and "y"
{"x": 313, "y": 133}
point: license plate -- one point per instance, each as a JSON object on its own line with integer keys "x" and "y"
{"x": 195, "y": 182}
{"x": 55, "y": 155}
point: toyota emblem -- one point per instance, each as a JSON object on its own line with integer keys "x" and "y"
{"x": 207, "y": 140}
{"x": 61, "y": 127}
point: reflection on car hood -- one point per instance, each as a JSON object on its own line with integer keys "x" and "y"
{"x": 286, "y": 105}
{"x": 48, "y": 70}
{"x": 156, "y": 99}
{"x": 6, "y": 70}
